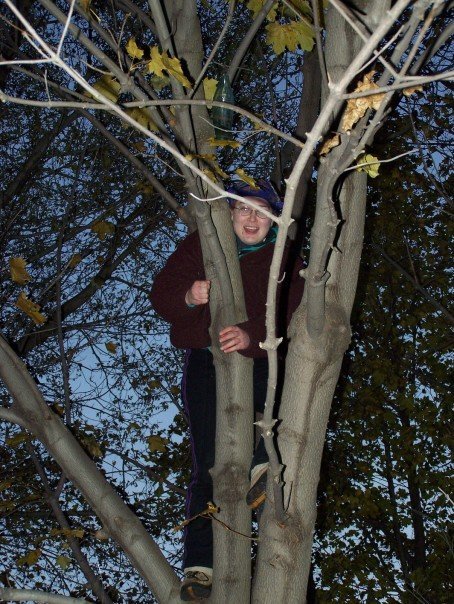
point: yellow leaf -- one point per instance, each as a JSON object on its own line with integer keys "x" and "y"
{"x": 175, "y": 389}
{"x": 145, "y": 187}
{"x": 356, "y": 108}
{"x": 143, "y": 118}
{"x": 63, "y": 562}
{"x": 256, "y": 6}
{"x": 29, "y": 559}
{"x": 111, "y": 347}
{"x": 206, "y": 156}
{"x": 31, "y": 309}
{"x": 75, "y": 260}
{"x": 214, "y": 142}
{"x": 101, "y": 534}
{"x": 6, "y": 506}
{"x": 59, "y": 410}
{"x": 410, "y": 91}
{"x": 290, "y": 35}
{"x": 17, "y": 439}
{"x": 133, "y": 50}
{"x": 103, "y": 228}
{"x": 152, "y": 384}
{"x": 211, "y": 175}
{"x": 140, "y": 146}
{"x": 244, "y": 177}
{"x": 209, "y": 88}
{"x": 210, "y": 158}
{"x": 330, "y": 144}
{"x": 18, "y": 270}
{"x": 301, "y": 6}
{"x": 371, "y": 165}
{"x": 77, "y": 533}
{"x": 162, "y": 62}
{"x": 91, "y": 444}
{"x": 155, "y": 64}
{"x": 85, "y": 5}
{"x": 5, "y": 485}
{"x": 159, "y": 83}
{"x": 219, "y": 171}
{"x": 156, "y": 443}
{"x": 173, "y": 68}
{"x": 108, "y": 87}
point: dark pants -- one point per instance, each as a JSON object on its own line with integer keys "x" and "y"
{"x": 199, "y": 398}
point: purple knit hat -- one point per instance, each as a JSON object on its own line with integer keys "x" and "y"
{"x": 264, "y": 190}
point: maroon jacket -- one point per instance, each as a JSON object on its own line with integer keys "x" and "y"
{"x": 189, "y": 325}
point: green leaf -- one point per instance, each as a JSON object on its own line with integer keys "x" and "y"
{"x": 76, "y": 533}
{"x": 63, "y": 562}
{"x": 156, "y": 443}
{"x": 30, "y": 559}
{"x": 103, "y": 228}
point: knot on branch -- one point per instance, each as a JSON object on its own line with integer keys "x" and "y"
{"x": 266, "y": 426}
{"x": 330, "y": 343}
{"x": 231, "y": 488}
{"x": 314, "y": 280}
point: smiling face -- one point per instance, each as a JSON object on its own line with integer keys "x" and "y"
{"x": 250, "y": 229}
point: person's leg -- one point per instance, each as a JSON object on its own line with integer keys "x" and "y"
{"x": 199, "y": 397}
{"x": 260, "y": 377}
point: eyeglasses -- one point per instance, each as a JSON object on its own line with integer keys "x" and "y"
{"x": 247, "y": 211}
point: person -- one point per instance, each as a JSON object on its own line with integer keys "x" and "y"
{"x": 180, "y": 295}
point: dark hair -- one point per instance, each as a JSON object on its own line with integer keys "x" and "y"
{"x": 263, "y": 190}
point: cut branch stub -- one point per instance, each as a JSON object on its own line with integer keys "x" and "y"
{"x": 270, "y": 343}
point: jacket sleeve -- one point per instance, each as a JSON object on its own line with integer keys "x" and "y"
{"x": 167, "y": 295}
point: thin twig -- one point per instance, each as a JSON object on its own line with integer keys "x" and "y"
{"x": 380, "y": 161}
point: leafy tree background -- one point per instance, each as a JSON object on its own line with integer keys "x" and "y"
{"x": 86, "y": 215}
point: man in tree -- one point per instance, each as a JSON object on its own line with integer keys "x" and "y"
{"x": 180, "y": 295}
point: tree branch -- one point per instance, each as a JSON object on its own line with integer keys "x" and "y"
{"x": 116, "y": 517}
{"x": 246, "y": 41}
{"x": 25, "y": 595}
{"x": 8, "y": 415}
{"x": 437, "y": 305}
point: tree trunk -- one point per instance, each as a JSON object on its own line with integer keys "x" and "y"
{"x": 314, "y": 361}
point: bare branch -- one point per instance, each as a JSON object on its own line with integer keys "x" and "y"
{"x": 101, "y": 496}
{"x": 215, "y": 48}
{"x": 25, "y": 595}
{"x": 319, "y": 42}
{"x": 8, "y": 415}
{"x": 246, "y": 41}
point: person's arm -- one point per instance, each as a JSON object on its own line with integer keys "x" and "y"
{"x": 170, "y": 292}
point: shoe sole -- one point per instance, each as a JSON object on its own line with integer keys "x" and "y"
{"x": 256, "y": 494}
